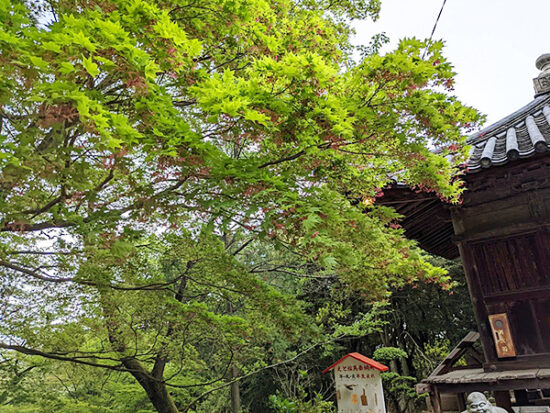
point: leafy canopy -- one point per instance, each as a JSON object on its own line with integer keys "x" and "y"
{"x": 146, "y": 144}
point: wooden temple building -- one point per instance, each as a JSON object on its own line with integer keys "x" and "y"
{"x": 502, "y": 234}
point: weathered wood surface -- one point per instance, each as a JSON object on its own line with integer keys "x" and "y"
{"x": 502, "y": 231}
{"x": 426, "y": 219}
{"x": 480, "y": 376}
{"x": 465, "y": 344}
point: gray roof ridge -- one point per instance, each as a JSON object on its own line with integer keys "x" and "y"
{"x": 509, "y": 121}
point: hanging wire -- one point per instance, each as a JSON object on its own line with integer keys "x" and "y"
{"x": 433, "y": 30}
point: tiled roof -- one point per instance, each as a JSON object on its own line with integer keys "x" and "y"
{"x": 519, "y": 135}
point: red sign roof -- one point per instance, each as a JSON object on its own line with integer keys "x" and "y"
{"x": 362, "y": 359}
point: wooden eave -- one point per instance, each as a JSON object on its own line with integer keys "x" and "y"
{"x": 426, "y": 219}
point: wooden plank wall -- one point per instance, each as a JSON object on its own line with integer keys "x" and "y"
{"x": 503, "y": 233}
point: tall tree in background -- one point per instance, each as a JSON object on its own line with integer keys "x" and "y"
{"x": 147, "y": 145}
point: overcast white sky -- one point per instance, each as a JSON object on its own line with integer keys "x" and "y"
{"x": 493, "y": 45}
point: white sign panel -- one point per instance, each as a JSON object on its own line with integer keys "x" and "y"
{"x": 358, "y": 388}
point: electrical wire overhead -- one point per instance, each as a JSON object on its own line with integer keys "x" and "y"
{"x": 435, "y": 26}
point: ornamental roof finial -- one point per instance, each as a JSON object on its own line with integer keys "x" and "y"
{"x": 542, "y": 81}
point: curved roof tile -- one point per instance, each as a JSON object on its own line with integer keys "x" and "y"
{"x": 519, "y": 135}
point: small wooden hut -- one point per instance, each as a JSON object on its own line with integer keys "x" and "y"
{"x": 502, "y": 234}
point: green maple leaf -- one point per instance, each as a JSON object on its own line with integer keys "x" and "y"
{"x": 90, "y": 66}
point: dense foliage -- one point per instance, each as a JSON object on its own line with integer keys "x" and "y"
{"x": 423, "y": 321}
{"x": 166, "y": 164}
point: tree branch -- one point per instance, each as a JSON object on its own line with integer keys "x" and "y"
{"x": 281, "y": 160}
{"x": 35, "y": 274}
{"x": 244, "y": 376}
{"x": 34, "y": 352}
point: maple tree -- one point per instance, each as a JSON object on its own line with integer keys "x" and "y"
{"x": 147, "y": 145}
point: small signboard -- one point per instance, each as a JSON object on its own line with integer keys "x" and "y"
{"x": 502, "y": 335}
{"x": 358, "y": 384}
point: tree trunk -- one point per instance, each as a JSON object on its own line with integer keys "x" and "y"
{"x": 160, "y": 398}
{"x": 235, "y": 393}
{"x": 151, "y": 382}
{"x": 155, "y": 389}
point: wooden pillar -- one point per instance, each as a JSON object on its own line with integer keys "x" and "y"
{"x": 480, "y": 311}
{"x": 435, "y": 400}
{"x": 502, "y": 399}
{"x": 461, "y": 399}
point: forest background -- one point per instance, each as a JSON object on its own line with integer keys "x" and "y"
{"x": 188, "y": 204}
